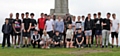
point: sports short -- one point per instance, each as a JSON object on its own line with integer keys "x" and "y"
{"x": 98, "y": 32}
{"x": 68, "y": 40}
{"x": 26, "y": 34}
{"x": 50, "y": 33}
{"x": 114, "y": 34}
{"x": 88, "y": 33}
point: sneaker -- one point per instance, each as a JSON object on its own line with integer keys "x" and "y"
{"x": 18, "y": 46}
{"x": 48, "y": 47}
{"x": 86, "y": 46}
{"x": 89, "y": 45}
{"x": 97, "y": 46}
{"x": 102, "y": 47}
{"x": 117, "y": 46}
{"x": 112, "y": 46}
{"x": 23, "y": 46}
{"x": 27, "y": 46}
{"x": 15, "y": 47}
{"x": 106, "y": 46}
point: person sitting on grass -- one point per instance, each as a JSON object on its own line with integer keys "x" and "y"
{"x": 57, "y": 39}
{"x": 69, "y": 37}
{"x": 79, "y": 38}
{"x": 45, "y": 40}
{"x": 35, "y": 39}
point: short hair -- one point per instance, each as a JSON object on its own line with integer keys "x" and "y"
{"x": 22, "y": 13}
{"x": 108, "y": 13}
{"x": 32, "y": 14}
{"x": 35, "y": 30}
{"x": 17, "y": 13}
{"x": 95, "y": 14}
{"x": 6, "y": 19}
{"x": 89, "y": 14}
{"x": 79, "y": 29}
{"x": 48, "y": 15}
{"x": 56, "y": 31}
{"x": 42, "y": 13}
{"x": 27, "y": 13}
{"x": 83, "y": 16}
{"x": 113, "y": 14}
{"x": 99, "y": 13}
{"x": 45, "y": 14}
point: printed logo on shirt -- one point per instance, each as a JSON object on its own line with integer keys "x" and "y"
{"x": 17, "y": 24}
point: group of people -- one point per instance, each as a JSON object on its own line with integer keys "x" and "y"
{"x": 52, "y": 31}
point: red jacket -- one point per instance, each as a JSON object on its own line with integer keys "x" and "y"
{"x": 41, "y": 23}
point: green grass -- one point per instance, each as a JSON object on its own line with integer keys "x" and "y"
{"x": 60, "y": 52}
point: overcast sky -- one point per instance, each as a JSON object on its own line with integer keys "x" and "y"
{"x": 76, "y": 7}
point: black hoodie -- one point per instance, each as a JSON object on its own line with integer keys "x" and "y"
{"x": 88, "y": 24}
{"x": 6, "y": 28}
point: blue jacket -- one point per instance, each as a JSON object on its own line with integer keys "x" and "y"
{"x": 59, "y": 26}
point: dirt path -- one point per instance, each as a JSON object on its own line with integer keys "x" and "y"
{"x": 82, "y": 52}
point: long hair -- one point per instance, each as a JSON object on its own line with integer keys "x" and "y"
{"x": 70, "y": 21}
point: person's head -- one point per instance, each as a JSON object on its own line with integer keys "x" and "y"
{"x": 44, "y": 32}
{"x": 27, "y": 14}
{"x": 11, "y": 15}
{"x": 99, "y": 14}
{"x": 83, "y": 17}
{"x": 73, "y": 18}
{"x": 79, "y": 30}
{"x": 35, "y": 32}
{"x": 89, "y": 16}
{"x": 22, "y": 15}
{"x": 57, "y": 33}
{"x": 78, "y": 18}
{"x": 6, "y": 20}
{"x": 17, "y": 15}
{"x": 48, "y": 17}
{"x": 108, "y": 15}
{"x": 32, "y": 15}
{"x": 70, "y": 26}
{"x": 59, "y": 18}
{"x": 114, "y": 16}
{"x": 45, "y": 16}
{"x": 95, "y": 15}
{"x": 69, "y": 18}
{"x": 42, "y": 15}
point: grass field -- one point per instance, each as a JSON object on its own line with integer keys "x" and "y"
{"x": 60, "y": 52}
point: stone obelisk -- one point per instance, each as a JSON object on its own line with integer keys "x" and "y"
{"x": 61, "y": 8}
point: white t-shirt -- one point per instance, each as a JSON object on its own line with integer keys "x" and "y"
{"x": 83, "y": 23}
{"x": 115, "y": 25}
{"x": 73, "y": 24}
{"x": 69, "y": 34}
{"x": 45, "y": 37}
{"x": 49, "y": 24}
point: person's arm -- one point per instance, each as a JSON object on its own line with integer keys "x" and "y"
{"x": 10, "y": 29}
{"x": 72, "y": 36}
{"x": 77, "y": 41}
{"x": 13, "y": 25}
{"x": 3, "y": 29}
{"x": 82, "y": 40}
{"x": 29, "y": 27}
{"x": 63, "y": 27}
{"x": 117, "y": 27}
{"x": 53, "y": 25}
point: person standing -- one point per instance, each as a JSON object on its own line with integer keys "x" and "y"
{"x": 6, "y": 30}
{"x": 49, "y": 27}
{"x": 106, "y": 24}
{"x": 114, "y": 30}
{"x": 33, "y": 24}
{"x": 93, "y": 30}
{"x": 59, "y": 26}
{"x": 41, "y": 24}
{"x": 83, "y": 23}
{"x": 17, "y": 30}
{"x": 22, "y": 29}
{"x": 88, "y": 30}
{"x": 10, "y": 22}
{"x": 98, "y": 29}
{"x": 27, "y": 27}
